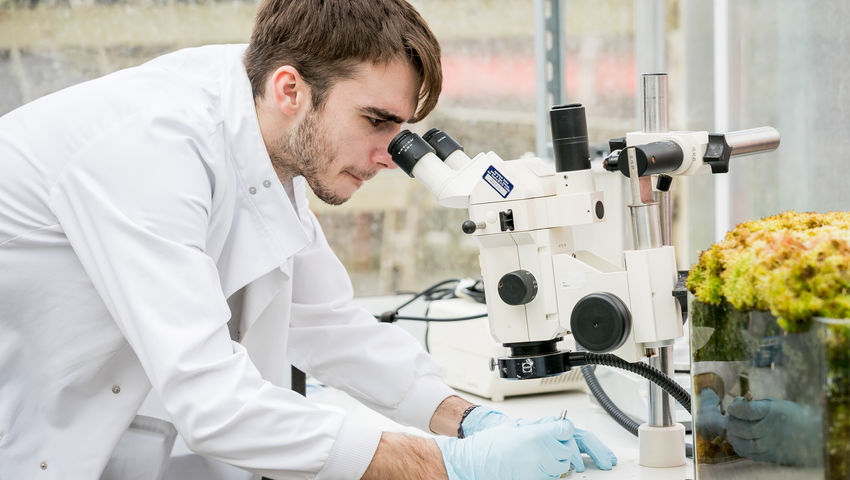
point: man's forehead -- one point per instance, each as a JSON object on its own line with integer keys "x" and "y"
{"x": 391, "y": 90}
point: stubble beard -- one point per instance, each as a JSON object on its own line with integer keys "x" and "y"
{"x": 306, "y": 152}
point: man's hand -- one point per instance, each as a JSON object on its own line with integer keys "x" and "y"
{"x": 775, "y": 431}
{"x": 710, "y": 422}
{"x": 545, "y": 448}
{"x": 483, "y": 418}
{"x": 541, "y": 451}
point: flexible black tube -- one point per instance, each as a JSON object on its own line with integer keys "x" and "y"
{"x": 613, "y": 410}
{"x": 605, "y": 401}
{"x": 650, "y": 373}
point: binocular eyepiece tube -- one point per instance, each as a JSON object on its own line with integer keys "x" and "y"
{"x": 407, "y": 148}
{"x": 569, "y": 137}
{"x": 418, "y": 158}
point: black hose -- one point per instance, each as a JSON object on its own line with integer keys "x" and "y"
{"x": 611, "y": 408}
{"x": 605, "y": 401}
{"x": 650, "y": 373}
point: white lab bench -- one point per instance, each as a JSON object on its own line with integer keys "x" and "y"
{"x": 579, "y": 409}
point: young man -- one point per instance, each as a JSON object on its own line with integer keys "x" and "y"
{"x": 154, "y": 233}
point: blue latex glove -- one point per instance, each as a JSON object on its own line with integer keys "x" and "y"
{"x": 710, "y": 422}
{"x": 775, "y": 431}
{"x": 542, "y": 451}
{"x": 483, "y": 418}
{"x": 589, "y": 444}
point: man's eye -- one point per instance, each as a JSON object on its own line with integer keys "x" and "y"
{"x": 376, "y": 121}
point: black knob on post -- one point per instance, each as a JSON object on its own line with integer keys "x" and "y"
{"x": 468, "y": 227}
{"x": 518, "y": 287}
{"x": 664, "y": 182}
{"x": 717, "y": 153}
{"x": 601, "y": 322}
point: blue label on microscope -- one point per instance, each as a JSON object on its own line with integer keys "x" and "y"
{"x": 498, "y": 181}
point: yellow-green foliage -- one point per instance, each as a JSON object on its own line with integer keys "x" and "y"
{"x": 797, "y": 265}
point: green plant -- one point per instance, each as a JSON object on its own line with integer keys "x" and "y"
{"x": 796, "y": 265}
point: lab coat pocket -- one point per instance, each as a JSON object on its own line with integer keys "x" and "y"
{"x": 143, "y": 451}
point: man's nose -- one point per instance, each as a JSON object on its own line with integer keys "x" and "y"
{"x": 382, "y": 156}
{"x": 383, "y": 159}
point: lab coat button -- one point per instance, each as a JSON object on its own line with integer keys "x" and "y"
{"x": 267, "y": 183}
{"x": 252, "y": 190}
{"x": 43, "y": 465}
{"x": 116, "y": 389}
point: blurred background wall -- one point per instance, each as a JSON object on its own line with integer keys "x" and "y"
{"x": 732, "y": 65}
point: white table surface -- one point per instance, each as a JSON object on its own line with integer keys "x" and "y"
{"x": 580, "y": 410}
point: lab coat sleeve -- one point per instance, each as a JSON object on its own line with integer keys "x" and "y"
{"x": 346, "y": 347}
{"x": 135, "y": 205}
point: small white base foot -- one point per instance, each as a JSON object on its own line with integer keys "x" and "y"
{"x": 662, "y": 446}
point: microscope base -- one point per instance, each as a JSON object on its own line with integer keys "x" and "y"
{"x": 662, "y": 447}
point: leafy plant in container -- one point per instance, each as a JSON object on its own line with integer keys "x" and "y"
{"x": 770, "y": 344}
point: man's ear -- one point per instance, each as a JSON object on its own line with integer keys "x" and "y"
{"x": 290, "y": 92}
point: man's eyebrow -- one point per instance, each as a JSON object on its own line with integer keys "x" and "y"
{"x": 382, "y": 114}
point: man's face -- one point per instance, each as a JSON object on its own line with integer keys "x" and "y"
{"x": 344, "y": 144}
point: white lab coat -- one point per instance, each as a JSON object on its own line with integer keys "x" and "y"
{"x": 131, "y": 208}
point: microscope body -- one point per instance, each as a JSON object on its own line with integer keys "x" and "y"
{"x": 528, "y": 255}
{"x": 524, "y": 215}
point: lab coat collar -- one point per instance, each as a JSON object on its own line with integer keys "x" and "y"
{"x": 261, "y": 190}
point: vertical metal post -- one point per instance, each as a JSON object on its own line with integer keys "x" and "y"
{"x": 647, "y": 216}
{"x": 660, "y": 403}
{"x": 650, "y": 37}
{"x": 651, "y": 57}
{"x": 655, "y": 102}
{"x": 655, "y": 119}
{"x": 549, "y": 60}
{"x": 722, "y": 217}
{"x": 646, "y": 219}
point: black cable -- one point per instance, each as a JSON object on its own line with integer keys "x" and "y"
{"x": 605, "y": 401}
{"x": 437, "y": 319}
{"x": 650, "y": 373}
{"x": 613, "y": 410}
{"x": 432, "y": 293}
{"x": 427, "y": 291}
{"x": 610, "y": 407}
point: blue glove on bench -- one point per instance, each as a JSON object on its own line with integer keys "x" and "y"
{"x": 483, "y": 418}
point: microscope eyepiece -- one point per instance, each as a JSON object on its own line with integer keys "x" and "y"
{"x": 441, "y": 142}
{"x": 406, "y": 149}
{"x": 569, "y": 137}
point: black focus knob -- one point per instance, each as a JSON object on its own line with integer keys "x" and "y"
{"x": 664, "y": 183}
{"x": 601, "y": 322}
{"x": 468, "y": 227}
{"x": 518, "y": 287}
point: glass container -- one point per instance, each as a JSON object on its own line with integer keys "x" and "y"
{"x": 769, "y": 404}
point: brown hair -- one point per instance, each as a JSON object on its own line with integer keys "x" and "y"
{"x": 325, "y": 40}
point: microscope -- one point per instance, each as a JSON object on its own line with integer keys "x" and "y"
{"x": 540, "y": 288}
